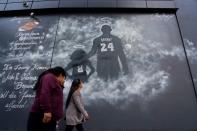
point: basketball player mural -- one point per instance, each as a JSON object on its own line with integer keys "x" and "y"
{"x": 110, "y": 55}
{"x": 79, "y": 68}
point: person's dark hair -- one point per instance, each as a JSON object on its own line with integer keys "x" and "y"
{"x": 73, "y": 88}
{"x": 55, "y": 71}
{"x": 78, "y": 54}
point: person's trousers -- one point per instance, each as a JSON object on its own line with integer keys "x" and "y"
{"x": 35, "y": 123}
{"x": 79, "y": 127}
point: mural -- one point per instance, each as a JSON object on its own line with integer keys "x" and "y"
{"x": 138, "y": 60}
{"x": 116, "y": 60}
{"x": 133, "y": 67}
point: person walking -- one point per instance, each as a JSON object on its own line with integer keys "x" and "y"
{"x": 47, "y": 107}
{"x": 76, "y": 114}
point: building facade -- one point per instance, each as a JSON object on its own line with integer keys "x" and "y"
{"x": 140, "y": 66}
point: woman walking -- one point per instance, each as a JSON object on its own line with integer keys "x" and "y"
{"x": 75, "y": 111}
{"x": 47, "y": 108}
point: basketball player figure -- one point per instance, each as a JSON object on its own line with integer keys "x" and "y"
{"x": 110, "y": 55}
{"x": 79, "y": 65}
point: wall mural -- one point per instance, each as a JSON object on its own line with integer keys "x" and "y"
{"x": 127, "y": 63}
{"x": 119, "y": 49}
{"x": 133, "y": 67}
